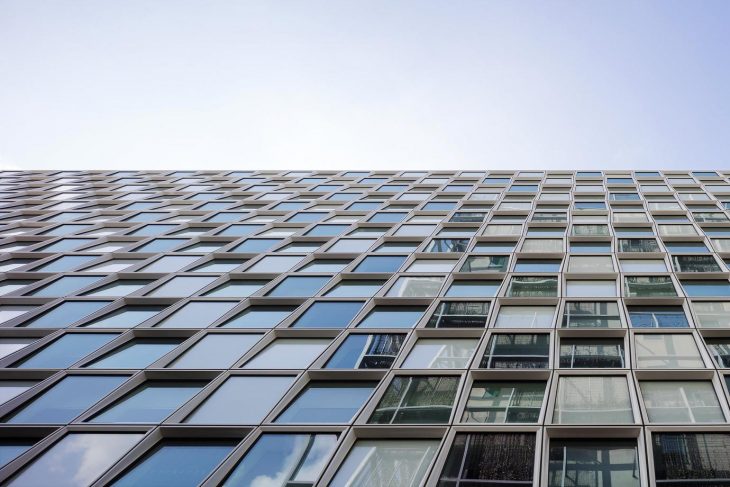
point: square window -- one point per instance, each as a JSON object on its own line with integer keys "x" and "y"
{"x": 592, "y": 400}
{"x": 667, "y": 351}
{"x": 675, "y": 401}
{"x": 592, "y": 461}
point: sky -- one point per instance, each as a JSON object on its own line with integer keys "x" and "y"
{"x": 377, "y": 84}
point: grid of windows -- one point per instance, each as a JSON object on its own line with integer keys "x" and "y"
{"x": 298, "y": 328}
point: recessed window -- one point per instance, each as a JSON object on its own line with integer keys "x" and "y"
{"x": 657, "y": 317}
{"x": 382, "y": 264}
{"x": 667, "y": 351}
{"x": 486, "y": 263}
{"x": 236, "y": 288}
{"x": 197, "y": 314}
{"x": 274, "y": 264}
{"x": 383, "y": 462}
{"x": 125, "y": 317}
{"x": 416, "y": 287}
{"x": 533, "y": 286}
{"x": 327, "y": 402}
{"x": 67, "y": 461}
{"x": 459, "y": 314}
{"x": 66, "y": 399}
{"x": 392, "y": 317}
{"x": 473, "y": 288}
{"x": 292, "y": 459}
{"x": 591, "y": 264}
{"x": 648, "y": 286}
{"x": 288, "y": 353}
{"x": 504, "y": 402}
{"x": 216, "y": 351}
{"x": 595, "y": 462}
{"x": 599, "y": 353}
{"x": 367, "y": 351}
{"x": 352, "y": 288}
{"x": 490, "y": 459}
{"x": 525, "y": 317}
{"x": 681, "y": 402}
{"x": 592, "y": 400}
{"x": 176, "y": 462}
{"x": 591, "y": 314}
{"x": 706, "y": 288}
{"x": 234, "y": 403}
{"x": 64, "y": 286}
{"x": 259, "y": 316}
{"x": 695, "y": 263}
{"x": 690, "y": 458}
{"x": 517, "y": 351}
{"x": 151, "y": 402}
{"x": 299, "y": 286}
{"x": 329, "y": 314}
{"x": 181, "y": 286}
{"x": 65, "y": 314}
{"x": 416, "y": 399}
{"x": 135, "y": 354}
{"x": 440, "y": 353}
{"x": 66, "y": 350}
{"x": 538, "y": 265}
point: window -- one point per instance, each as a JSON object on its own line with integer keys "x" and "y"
{"x": 125, "y": 317}
{"x": 197, "y": 314}
{"x": 448, "y": 245}
{"x": 459, "y": 314}
{"x": 351, "y": 288}
{"x": 691, "y": 459}
{"x": 657, "y": 317}
{"x": 416, "y": 399}
{"x": 525, "y": 317}
{"x": 65, "y": 286}
{"x": 181, "y": 286}
{"x": 464, "y": 288}
{"x": 416, "y": 287}
{"x": 386, "y": 462}
{"x": 135, "y": 354}
{"x": 327, "y": 402}
{"x": 580, "y": 288}
{"x": 490, "y": 459}
{"x": 604, "y": 462}
{"x": 299, "y": 286}
{"x": 504, "y": 402}
{"x": 389, "y": 263}
{"x": 681, "y": 402}
{"x": 650, "y": 286}
{"x": 121, "y": 287}
{"x": 170, "y": 263}
{"x": 720, "y": 350}
{"x": 439, "y": 353}
{"x": 695, "y": 263}
{"x": 259, "y": 316}
{"x": 538, "y": 265}
{"x": 66, "y": 350}
{"x": 576, "y": 353}
{"x": 273, "y": 264}
{"x": 392, "y": 317}
{"x": 542, "y": 245}
{"x": 592, "y": 264}
{"x": 151, "y": 402}
{"x": 176, "y": 462}
{"x": 216, "y": 351}
{"x": 638, "y": 245}
{"x": 486, "y": 263}
{"x": 517, "y": 351}
{"x": 591, "y": 314}
{"x": 589, "y": 247}
{"x": 592, "y": 400}
{"x": 291, "y": 459}
{"x": 67, "y": 461}
{"x": 529, "y": 286}
{"x": 643, "y": 265}
{"x": 367, "y": 351}
{"x": 66, "y": 399}
{"x": 667, "y": 351}
{"x": 328, "y": 314}
{"x": 288, "y": 353}
{"x": 234, "y": 403}
{"x": 706, "y": 288}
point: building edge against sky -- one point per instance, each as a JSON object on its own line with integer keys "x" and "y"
{"x": 358, "y": 328}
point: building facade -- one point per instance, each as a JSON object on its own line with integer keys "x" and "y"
{"x": 357, "y": 328}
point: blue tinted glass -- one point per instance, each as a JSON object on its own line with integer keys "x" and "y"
{"x": 10, "y": 450}
{"x": 228, "y": 216}
{"x": 387, "y": 217}
{"x": 657, "y": 317}
{"x": 294, "y": 460}
{"x": 706, "y": 288}
{"x": 65, "y": 286}
{"x": 150, "y": 403}
{"x": 589, "y": 205}
{"x": 363, "y": 206}
{"x": 677, "y": 247}
{"x": 260, "y": 317}
{"x": 240, "y": 230}
{"x": 66, "y": 350}
{"x": 305, "y": 217}
{"x": 66, "y": 313}
{"x": 299, "y": 286}
{"x": 175, "y": 465}
{"x": 66, "y": 244}
{"x": 327, "y": 402}
{"x": 126, "y": 317}
{"x": 161, "y": 245}
{"x": 256, "y": 245}
{"x": 216, "y": 351}
{"x": 65, "y": 263}
{"x": 150, "y": 230}
{"x": 328, "y": 314}
{"x": 362, "y": 351}
{"x": 197, "y": 314}
{"x": 67, "y": 399}
{"x": 290, "y": 206}
{"x": 389, "y": 263}
{"x": 137, "y": 354}
{"x": 439, "y": 206}
{"x": 326, "y": 230}
{"x": 393, "y": 317}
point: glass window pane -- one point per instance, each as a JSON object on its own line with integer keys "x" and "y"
{"x": 591, "y": 353}
{"x": 459, "y": 314}
{"x": 605, "y": 462}
{"x": 282, "y": 460}
{"x": 66, "y": 399}
{"x": 665, "y": 351}
{"x": 66, "y": 350}
{"x": 657, "y": 317}
{"x": 327, "y": 402}
{"x": 136, "y": 354}
{"x": 199, "y": 314}
{"x": 65, "y": 314}
{"x": 691, "y": 458}
{"x": 288, "y": 353}
{"x": 181, "y": 286}
{"x": 592, "y": 400}
{"x": 504, "y": 402}
{"x": 435, "y": 353}
{"x": 591, "y": 314}
{"x": 182, "y": 464}
{"x": 216, "y": 351}
{"x": 77, "y": 459}
{"x": 234, "y": 403}
{"x": 392, "y": 317}
{"x": 416, "y": 287}
{"x": 525, "y": 317}
{"x": 681, "y": 402}
{"x": 395, "y": 463}
{"x": 517, "y": 351}
{"x": 259, "y": 317}
{"x": 416, "y": 399}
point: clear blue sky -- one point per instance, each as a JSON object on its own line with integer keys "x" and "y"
{"x": 367, "y": 83}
